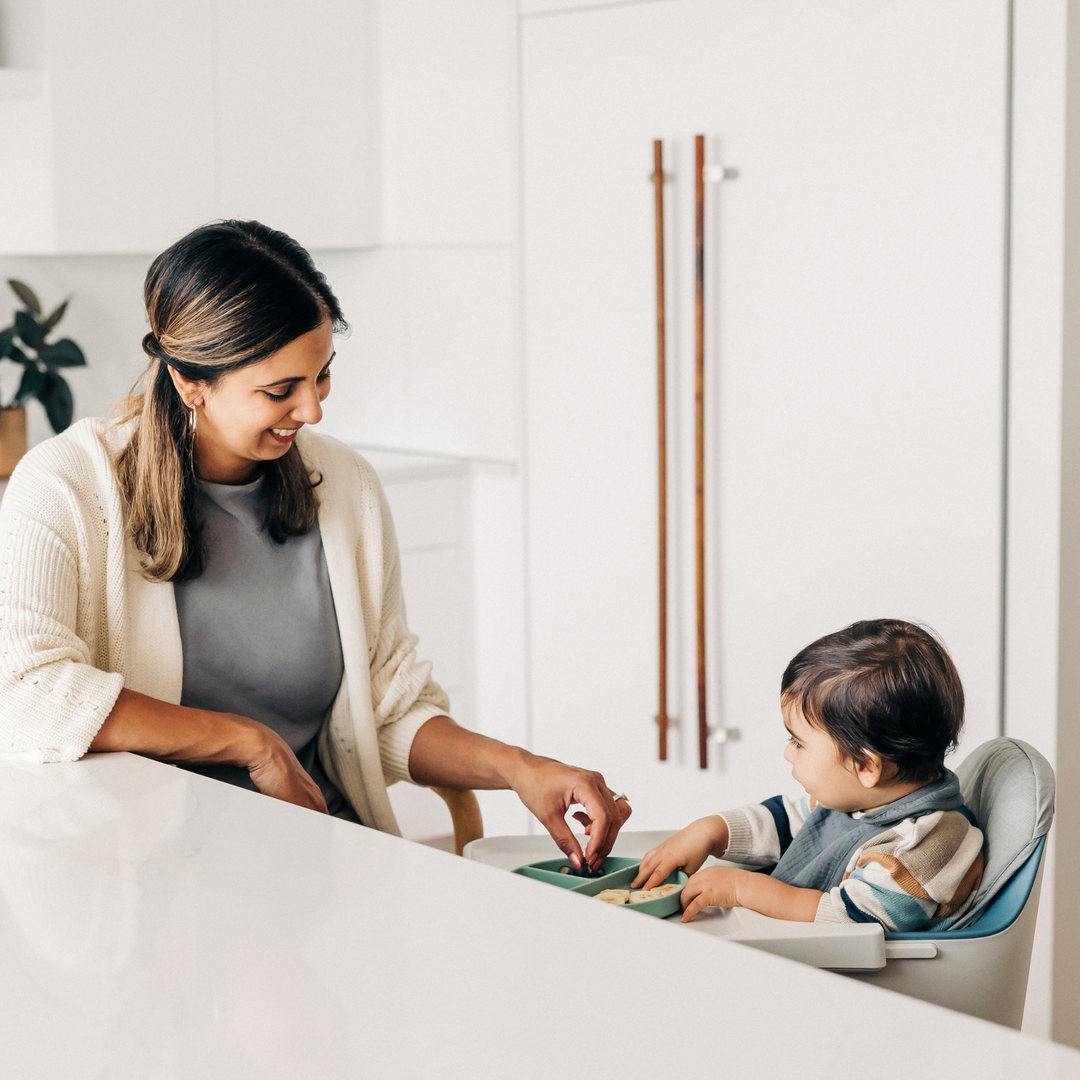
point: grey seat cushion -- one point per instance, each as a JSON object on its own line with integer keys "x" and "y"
{"x": 1009, "y": 787}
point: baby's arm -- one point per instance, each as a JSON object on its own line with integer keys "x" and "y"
{"x": 726, "y": 886}
{"x": 687, "y": 849}
{"x": 754, "y": 835}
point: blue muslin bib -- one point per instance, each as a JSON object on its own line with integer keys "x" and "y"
{"x": 819, "y": 854}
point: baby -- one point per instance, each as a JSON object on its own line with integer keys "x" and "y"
{"x": 882, "y": 834}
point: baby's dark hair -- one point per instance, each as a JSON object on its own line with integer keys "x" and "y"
{"x": 884, "y": 686}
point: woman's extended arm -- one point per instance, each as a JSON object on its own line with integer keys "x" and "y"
{"x": 144, "y": 725}
{"x": 450, "y": 756}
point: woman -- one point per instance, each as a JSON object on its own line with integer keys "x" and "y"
{"x": 209, "y": 583}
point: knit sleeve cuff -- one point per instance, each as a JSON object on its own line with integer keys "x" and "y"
{"x": 831, "y": 909}
{"x": 396, "y": 739}
{"x": 740, "y": 846}
{"x": 35, "y": 730}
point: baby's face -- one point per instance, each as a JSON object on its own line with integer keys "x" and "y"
{"x": 818, "y": 764}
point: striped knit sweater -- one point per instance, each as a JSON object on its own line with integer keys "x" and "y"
{"x": 919, "y": 874}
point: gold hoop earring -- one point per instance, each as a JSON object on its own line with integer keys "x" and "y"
{"x": 194, "y": 422}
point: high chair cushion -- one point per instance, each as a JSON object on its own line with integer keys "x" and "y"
{"x": 1009, "y": 788}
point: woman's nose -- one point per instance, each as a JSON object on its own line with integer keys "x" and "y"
{"x": 309, "y": 408}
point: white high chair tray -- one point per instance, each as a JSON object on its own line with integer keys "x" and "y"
{"x": 847, "y": 947}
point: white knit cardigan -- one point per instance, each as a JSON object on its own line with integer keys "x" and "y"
{"x": 78, "y": 621}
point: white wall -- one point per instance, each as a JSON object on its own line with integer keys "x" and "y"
{"x": 1038, "y": 207}
{"x": 431, "y": 362}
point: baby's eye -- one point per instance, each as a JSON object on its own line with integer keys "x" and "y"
{"x": 794, "y": 742}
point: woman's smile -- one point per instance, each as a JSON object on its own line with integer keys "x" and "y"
{"x": 284, "y": 435}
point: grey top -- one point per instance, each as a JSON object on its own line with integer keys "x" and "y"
{"x": 259, "y": 630}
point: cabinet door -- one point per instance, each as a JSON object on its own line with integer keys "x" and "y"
{"x": 132, "y": 157}
{"x": 297, "y": 118}
{"x": 854, "y": 359}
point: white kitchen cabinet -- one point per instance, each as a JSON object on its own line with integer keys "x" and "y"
{"x": 457, "y": 523}
{"x": 140, "y": 120}
{"x": 297, "y": 120}
{"x": 448, "y": 121}
{"x": 122, "y": 146}
{"x": 854, "y": 360}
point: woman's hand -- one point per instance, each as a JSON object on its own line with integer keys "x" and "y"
{"x": 686, "y": 850}
{"x": 446, "y": 755}
{"x": 275, "y": 770}
{"x": 549, "y": 788}
{"x": 145, "y": 725}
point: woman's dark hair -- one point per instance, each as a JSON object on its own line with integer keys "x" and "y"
{"x": 226, "y": 295}
{"x": 884, "y": 686}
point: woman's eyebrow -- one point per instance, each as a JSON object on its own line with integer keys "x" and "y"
{"x": 280, "y": 382}
{"x": 292, "y": 379}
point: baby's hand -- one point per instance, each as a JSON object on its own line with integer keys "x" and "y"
{"x": 687, "y": 850}
{"x": 715, "y": 886}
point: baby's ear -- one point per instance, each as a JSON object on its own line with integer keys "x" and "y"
{"x": 870, "y": 770}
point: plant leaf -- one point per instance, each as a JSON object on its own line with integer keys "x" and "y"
{"x": 16, "y": 354}
{"x": 26, "y": 295}
{"x": 7, "y": 339}
{"x": 28, "y": 328}
{"x": 62, "y": 353}
{"x": 31, "y": 385}
{"x": 55, "y": 395}
{"x": 55, "y": 317}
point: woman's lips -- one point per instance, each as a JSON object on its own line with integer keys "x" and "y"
{"x": 284, "y": 438}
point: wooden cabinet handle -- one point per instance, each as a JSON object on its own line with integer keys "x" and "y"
{"x": 699, "y": 435}
{"x": 661, "y": 411}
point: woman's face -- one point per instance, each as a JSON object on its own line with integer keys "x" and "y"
{"x": 253, "y": 414}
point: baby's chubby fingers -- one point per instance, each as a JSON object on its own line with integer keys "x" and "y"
{"x": 694, "y": 897}
{"x": 700, "y": 901}
{"x": 659, "y": 872}
{"x": 649, "y": 863}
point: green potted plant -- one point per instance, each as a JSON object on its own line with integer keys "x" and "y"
{"x": 26, "y": 343}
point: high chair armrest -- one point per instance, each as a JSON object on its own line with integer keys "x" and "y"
{"x": 836, "y": 946}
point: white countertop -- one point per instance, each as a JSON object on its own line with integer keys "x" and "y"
{"x": 158, "y": 924}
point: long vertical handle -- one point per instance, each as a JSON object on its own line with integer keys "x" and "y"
{"x": 661, "y": 442}
{"x": 699, "y": 434}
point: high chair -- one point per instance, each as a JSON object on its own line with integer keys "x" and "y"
{"x": 979, "y": 968}
{"x": 465, "y": 815}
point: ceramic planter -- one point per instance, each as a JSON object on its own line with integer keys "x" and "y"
{"x": 12, "y": 439}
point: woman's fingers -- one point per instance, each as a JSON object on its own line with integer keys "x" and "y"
{"x": 550, "y": 789}
{"x": 316, "y": 797}
{"x": 599, "y": 802}
{"x": 561, "y": 834}
{"x": 278, "y": 774}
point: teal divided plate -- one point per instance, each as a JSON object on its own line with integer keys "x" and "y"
{"x": 616, "y": 874}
